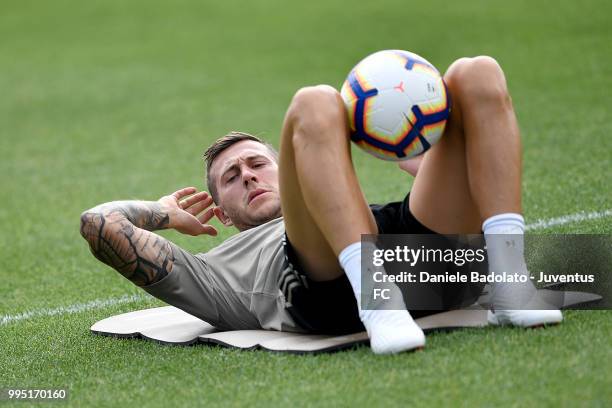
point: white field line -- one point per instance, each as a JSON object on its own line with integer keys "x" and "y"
{"x": 103, "y": 303}
{"x": 75, "y": 308}
{"x": 567, "y": 219}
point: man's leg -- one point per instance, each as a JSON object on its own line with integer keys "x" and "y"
{"x": 471, "y": 179}
{"x": 476, "y": 165}
{"x": 323, "y": 205}
{"x": 325, "y": 210}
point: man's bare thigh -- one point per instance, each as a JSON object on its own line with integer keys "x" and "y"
{"x": 313, "y": 251}
{"x": 440, "y": 197}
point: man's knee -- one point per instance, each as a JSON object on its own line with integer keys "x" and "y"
{"x": 478, "y": 79}
{"x": 314, "y": 110}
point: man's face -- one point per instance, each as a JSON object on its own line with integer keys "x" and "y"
{"x": 246, "y": 176}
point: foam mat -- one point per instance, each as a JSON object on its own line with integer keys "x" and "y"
{"x": 169, "y": 325}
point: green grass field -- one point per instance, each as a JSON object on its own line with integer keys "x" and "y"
{"x": 105, "y": 100}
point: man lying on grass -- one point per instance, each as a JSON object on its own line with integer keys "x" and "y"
{"x": 295, "y": 265}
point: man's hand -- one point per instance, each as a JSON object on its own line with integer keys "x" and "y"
{"x": 120, "y": 233}
{"x": 189, "y": 211}
{"x": 411, "y": 166}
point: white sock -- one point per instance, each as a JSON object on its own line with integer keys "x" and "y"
{"x": 507, "y": 223}
{"x": 390, "y": 327}
{"x": 350, "y": 260}
{"x": 505, "y": 250}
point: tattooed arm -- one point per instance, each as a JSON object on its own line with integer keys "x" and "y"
{"x": 120, "y": 233}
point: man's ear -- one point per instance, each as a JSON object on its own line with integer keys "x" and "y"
{"x": 220, "y": 214}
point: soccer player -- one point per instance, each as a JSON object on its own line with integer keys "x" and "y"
{"x": 295, "y": 265}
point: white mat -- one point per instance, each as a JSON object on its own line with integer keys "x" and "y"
{"x": 169, "y": 325}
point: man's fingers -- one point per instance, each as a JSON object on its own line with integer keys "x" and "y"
{"x": 219, "y": 213}
{"x": 209, "y": 230}
{"x": 183, "y": 192}
{"x": 203, "y": 229}
{"x": 191, "y": 225}
{"x": 205, "y": 216}
{"x": 189, "y": 201}
{"x": 199, "y": 206}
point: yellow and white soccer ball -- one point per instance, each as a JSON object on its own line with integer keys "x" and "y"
{"x": 397, "y": 103}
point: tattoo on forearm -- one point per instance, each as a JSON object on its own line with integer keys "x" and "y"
{"x": 118, "y": 235}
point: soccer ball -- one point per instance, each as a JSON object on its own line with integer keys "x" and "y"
{"x": 397, "y": 104}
